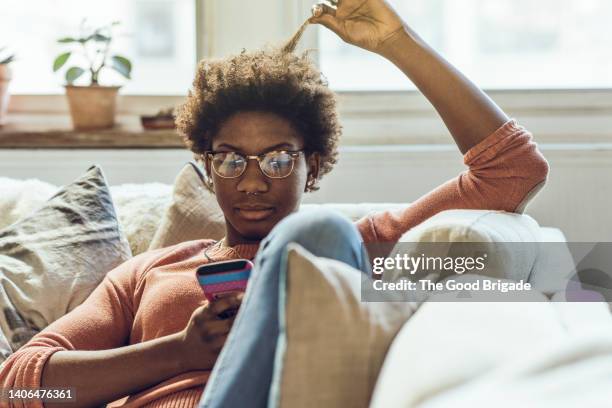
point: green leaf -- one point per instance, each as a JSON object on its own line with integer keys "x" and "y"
{"x": 73, "y": 74}
{"x": 7, "y": 60}
{"x": 67, "y": 40}
{"x": 101, "y": 37}
{"x": 60, "y": 61}
{"x": 122, "y": 65}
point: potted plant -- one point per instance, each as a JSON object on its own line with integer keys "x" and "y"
{"x": 5, "y": 78}
{"x": 92, "y": 106}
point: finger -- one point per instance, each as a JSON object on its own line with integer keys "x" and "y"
{"x": 217, "y": 343}
{"x": 321, "y": 9}
{"x": 221, "y": 305}
{"x": 326, "y": 16}
{"x": 217, "y": 327}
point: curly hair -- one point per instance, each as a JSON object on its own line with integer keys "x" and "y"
{"x": 271, "y": 80}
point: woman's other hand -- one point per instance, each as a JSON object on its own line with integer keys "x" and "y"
{"x": 205, "y": 334}
{"x": 368, "y": 24}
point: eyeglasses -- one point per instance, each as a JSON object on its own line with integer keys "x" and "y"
{"x": 276, "y": 164}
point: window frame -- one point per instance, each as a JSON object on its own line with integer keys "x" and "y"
{"x": 556, "y": 116}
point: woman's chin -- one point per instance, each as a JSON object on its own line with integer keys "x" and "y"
{"x": 254, "y": 231}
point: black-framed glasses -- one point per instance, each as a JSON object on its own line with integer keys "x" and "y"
{"x": 276, "y": 164}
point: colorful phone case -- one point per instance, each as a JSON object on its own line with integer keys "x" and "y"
{"x": 215, "y": 285}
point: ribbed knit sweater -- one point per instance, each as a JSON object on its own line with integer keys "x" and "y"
{"x": 155, "y": 293}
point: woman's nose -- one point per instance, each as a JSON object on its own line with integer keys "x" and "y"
{"x": 253, "y": 180}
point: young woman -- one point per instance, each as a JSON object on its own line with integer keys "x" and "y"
{"x": 266, "y": 128}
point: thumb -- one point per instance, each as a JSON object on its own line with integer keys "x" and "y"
{"x": 326, "y": 16}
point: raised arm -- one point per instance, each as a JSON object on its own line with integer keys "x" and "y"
{"x": 469, "y": 114}
{"x": 505, "y": 168}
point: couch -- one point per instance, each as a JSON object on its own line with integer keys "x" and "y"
{"x": 473, "y": 354}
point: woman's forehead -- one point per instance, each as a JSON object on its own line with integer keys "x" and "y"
{"x": 254, "y": 132}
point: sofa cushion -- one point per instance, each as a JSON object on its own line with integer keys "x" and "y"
{"x": 575, "y": 373}
{"x": 447, "y": 344}
{"x": 52, "y": 260}
{"x": 331, "y": 345}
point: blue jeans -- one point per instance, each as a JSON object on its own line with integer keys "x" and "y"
{"x": 243, "y": 373}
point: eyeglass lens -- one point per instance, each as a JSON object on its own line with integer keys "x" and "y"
{"x": 273, "y": 164}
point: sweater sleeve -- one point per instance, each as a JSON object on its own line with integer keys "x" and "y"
{"x": 505, "y": 171}
{"x": 102, "y": 321}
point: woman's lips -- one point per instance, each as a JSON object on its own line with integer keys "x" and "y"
{"x": 254, "y": 214}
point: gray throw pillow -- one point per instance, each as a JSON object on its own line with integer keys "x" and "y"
{"x": 51, "y": 260}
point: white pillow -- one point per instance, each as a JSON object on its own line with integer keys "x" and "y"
{"x": 475, "y": 226}
{"x": 140, "y": 208}
{"x": 19, "y": 198}
{"x": 506, "y": 238}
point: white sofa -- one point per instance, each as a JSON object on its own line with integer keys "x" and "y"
{"x": 431, "y": 355}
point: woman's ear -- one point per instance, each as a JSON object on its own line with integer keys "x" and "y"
{"x": 314, "y": 166}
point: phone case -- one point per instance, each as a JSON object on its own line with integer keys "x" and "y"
{"x": 219, "y": 283}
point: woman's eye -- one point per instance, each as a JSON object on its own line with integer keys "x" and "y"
{"x": 234, "y": 160}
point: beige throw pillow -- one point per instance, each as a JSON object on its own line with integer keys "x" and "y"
{"x": 52, "y": 260}
{"x": 332, "y": 345}
{"x": 193, "y": 214}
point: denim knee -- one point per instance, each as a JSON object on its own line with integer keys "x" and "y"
{"x": 321, "y": 232}
{"x": 313, "y": 227}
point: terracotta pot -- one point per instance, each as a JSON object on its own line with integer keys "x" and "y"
{"x": 92, "y": 107}
{"x": 5, "y": 78}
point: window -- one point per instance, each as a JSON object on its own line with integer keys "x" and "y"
{"x": 500, "y": 44}
{"x": 157, "y": 35}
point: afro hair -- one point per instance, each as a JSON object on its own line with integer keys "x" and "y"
{"x": 272, "y": 80}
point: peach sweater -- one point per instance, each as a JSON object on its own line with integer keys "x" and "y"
{"x": 154, "y": 294}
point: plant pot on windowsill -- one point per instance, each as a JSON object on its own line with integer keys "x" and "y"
{"x": 92, "y": 107}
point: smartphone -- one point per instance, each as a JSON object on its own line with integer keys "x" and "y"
{"x": 219, "y": 279}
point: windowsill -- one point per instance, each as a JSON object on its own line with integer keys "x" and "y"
{"x": 368, "y": 118}
{"x": 52, "y": 131}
